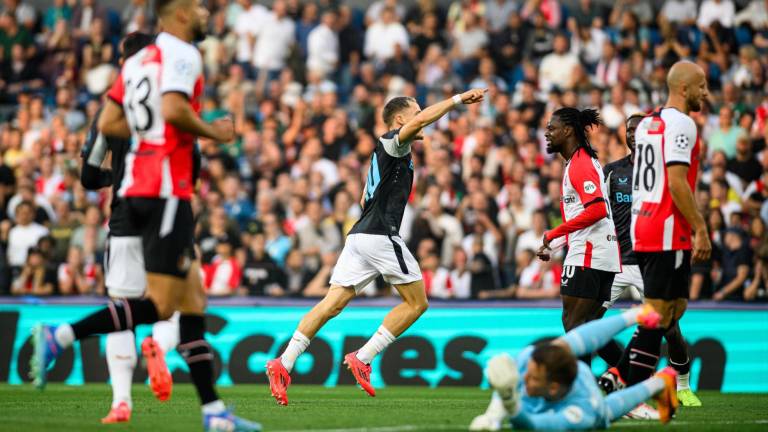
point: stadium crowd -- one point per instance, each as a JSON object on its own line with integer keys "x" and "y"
{"x": 305, "y": 82}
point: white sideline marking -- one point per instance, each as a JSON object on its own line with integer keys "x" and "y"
{"x": 402, "y": 428}
{"x": 408, "y": 428}
{"x": 687, "y": 423}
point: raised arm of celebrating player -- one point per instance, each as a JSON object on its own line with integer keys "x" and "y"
{"x": 431, "y": 114}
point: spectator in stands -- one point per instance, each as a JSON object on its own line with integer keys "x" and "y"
{"x": 722, "y": 11}
{"x": 736, "y": 261}
{"x": 323, "y": 46}
{"x": 261, "y": 274}
{"x": 318, "y": 237}
{"x": 382, "y": 36}
{"x": 222, "y": 276}
{"x": 84, "y": 15}
{"x": 745, "y": 164}
{"x": 35, "y": 277}
{"x": 91, "y": 236}
{"x": 274, "y": 39}
{"x": 725, "y": 138}
{"x": 11, "y": 33}
{"x": 62, "y": 229}
{"x": 557, "y": 67}
{"x": 79, "y": 275}
{"x": 21, "y": 236}
{"x": 278, "y": 244}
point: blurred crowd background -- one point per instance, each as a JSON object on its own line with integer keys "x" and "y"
{"x": 306, "y": 82}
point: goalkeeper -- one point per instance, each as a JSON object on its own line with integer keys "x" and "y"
{"x": 558, "y": 392}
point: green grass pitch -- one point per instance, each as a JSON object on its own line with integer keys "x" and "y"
{"x": 341, "y": 409}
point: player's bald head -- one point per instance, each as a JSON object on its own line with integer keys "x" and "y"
{"x": 687, "y": 85}
{"x": 683, "y": 73}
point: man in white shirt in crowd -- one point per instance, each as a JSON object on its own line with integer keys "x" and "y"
{"x": 680, "y": 12}
{"x": 23, "y": 235}
{"x": 716, "y": 10}
{"x": 382, "y": 36}
{"x": 557, "y": 68}
{"x": 247, "y": 24}
{"x": 274, "y": 40}
{"x": 323, "y": 46}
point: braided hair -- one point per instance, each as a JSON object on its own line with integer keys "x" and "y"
{"x": 580, "y": 121}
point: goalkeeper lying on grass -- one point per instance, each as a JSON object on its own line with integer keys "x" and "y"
{"x": 558, "y": 392}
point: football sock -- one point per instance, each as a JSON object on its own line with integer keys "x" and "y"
{"x": 376, "y": 344}
{"x": 683, "y": 374}
{"x": 296, "y": 346}
{"x": 644, "y": 355}
{"x": 623, "y": 366}
{"x": 121, "y": 361}
{"x": 214, "y": 407}
{"x": 166, "y": 333}
{"x": 623, "y": 401}
{"x": 611, "y": 353}
{"x": 678, "y": 356}
{"x": 587, "y": 338}
{"x": 197, "y": 353}
{"x": 119, "y": 315}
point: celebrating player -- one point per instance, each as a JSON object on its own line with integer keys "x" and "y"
{"x": 155, "y": 102}
{"x": 593, "y": 252}
{"x": 558, "y": 392}
{"x": 125, "y": 267}
{"x": 618, "y": 176}
{"x": 664, "y": 213}
{"x": 374, "y": 247}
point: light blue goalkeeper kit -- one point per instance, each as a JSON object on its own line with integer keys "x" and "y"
{"x": 584, "y": 406}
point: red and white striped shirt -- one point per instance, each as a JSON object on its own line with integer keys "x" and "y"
{"x": 160, "y": 163}
{"x": 666, "y": 137}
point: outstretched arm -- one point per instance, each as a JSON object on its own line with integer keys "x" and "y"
{"x": 433, "y": 113}
{"x": 588, "y": 338}
{"x": 571, "y": 417}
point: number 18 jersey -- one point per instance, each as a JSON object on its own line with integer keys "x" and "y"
{"x": 666, "y": 137}
{"x": 160, "y": 162}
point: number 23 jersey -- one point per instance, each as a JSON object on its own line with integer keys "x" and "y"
{"x": 664, "y": 138}
{"x": 160, "y": 162}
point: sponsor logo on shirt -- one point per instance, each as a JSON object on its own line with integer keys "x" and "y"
{"x": 568, "y": 199}
{"x": 623, "y": 198}
{"x": 589, "y": 187}
{"x": 573, "y": 414}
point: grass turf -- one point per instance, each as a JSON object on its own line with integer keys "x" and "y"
{"x": 342, "y": 409}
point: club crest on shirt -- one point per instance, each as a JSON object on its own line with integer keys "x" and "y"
{"x": 589, "y": 187}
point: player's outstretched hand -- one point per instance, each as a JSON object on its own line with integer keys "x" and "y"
{"x": 225, "y": 129}
{"x": 702, "y": 247}
{"x": 473, "y": 96}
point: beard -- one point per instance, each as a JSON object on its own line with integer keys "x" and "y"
{"x": 694, "y": 105}
{"x": 198, "y": 33}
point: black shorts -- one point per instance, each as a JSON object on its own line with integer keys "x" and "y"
{"x": 167, "y": 234}
{"x": 586, "y": 283}
{"x": 666, "y": 275}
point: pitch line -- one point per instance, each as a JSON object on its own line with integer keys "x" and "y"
{"x": 687, "y": 423}
{"x": 401, "y": 428}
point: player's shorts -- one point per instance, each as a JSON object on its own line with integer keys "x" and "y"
{"x": 666, "y": 275}
{"x": 366, "y": 256}
{"x": 586, "y": 283}
{"x": 629, "y": 278}
{"x": 167, "y": 234}
{"x": 124, "y": 267}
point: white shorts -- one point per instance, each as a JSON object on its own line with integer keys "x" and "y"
{"x": 124, "y": 267}
{"x": 366, "y": 256}
{"x": 629, "y": 279}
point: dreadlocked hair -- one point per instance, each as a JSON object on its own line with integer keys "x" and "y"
{"x": 580, "y": 121}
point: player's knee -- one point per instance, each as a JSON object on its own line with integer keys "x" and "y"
{"x": 420, "y": 306}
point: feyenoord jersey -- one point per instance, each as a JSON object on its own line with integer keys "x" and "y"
{"x": 667, "y": 137}
{"x": 388, "y": 187}
{"x": 595, "y": 246}
{"x": 160, "y": 163}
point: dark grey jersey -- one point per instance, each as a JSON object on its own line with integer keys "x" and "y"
{"x": 618, "y": 176}
{"x": 387, "y": 188}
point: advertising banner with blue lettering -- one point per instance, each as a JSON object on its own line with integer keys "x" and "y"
{"x": 447, "y": 347}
